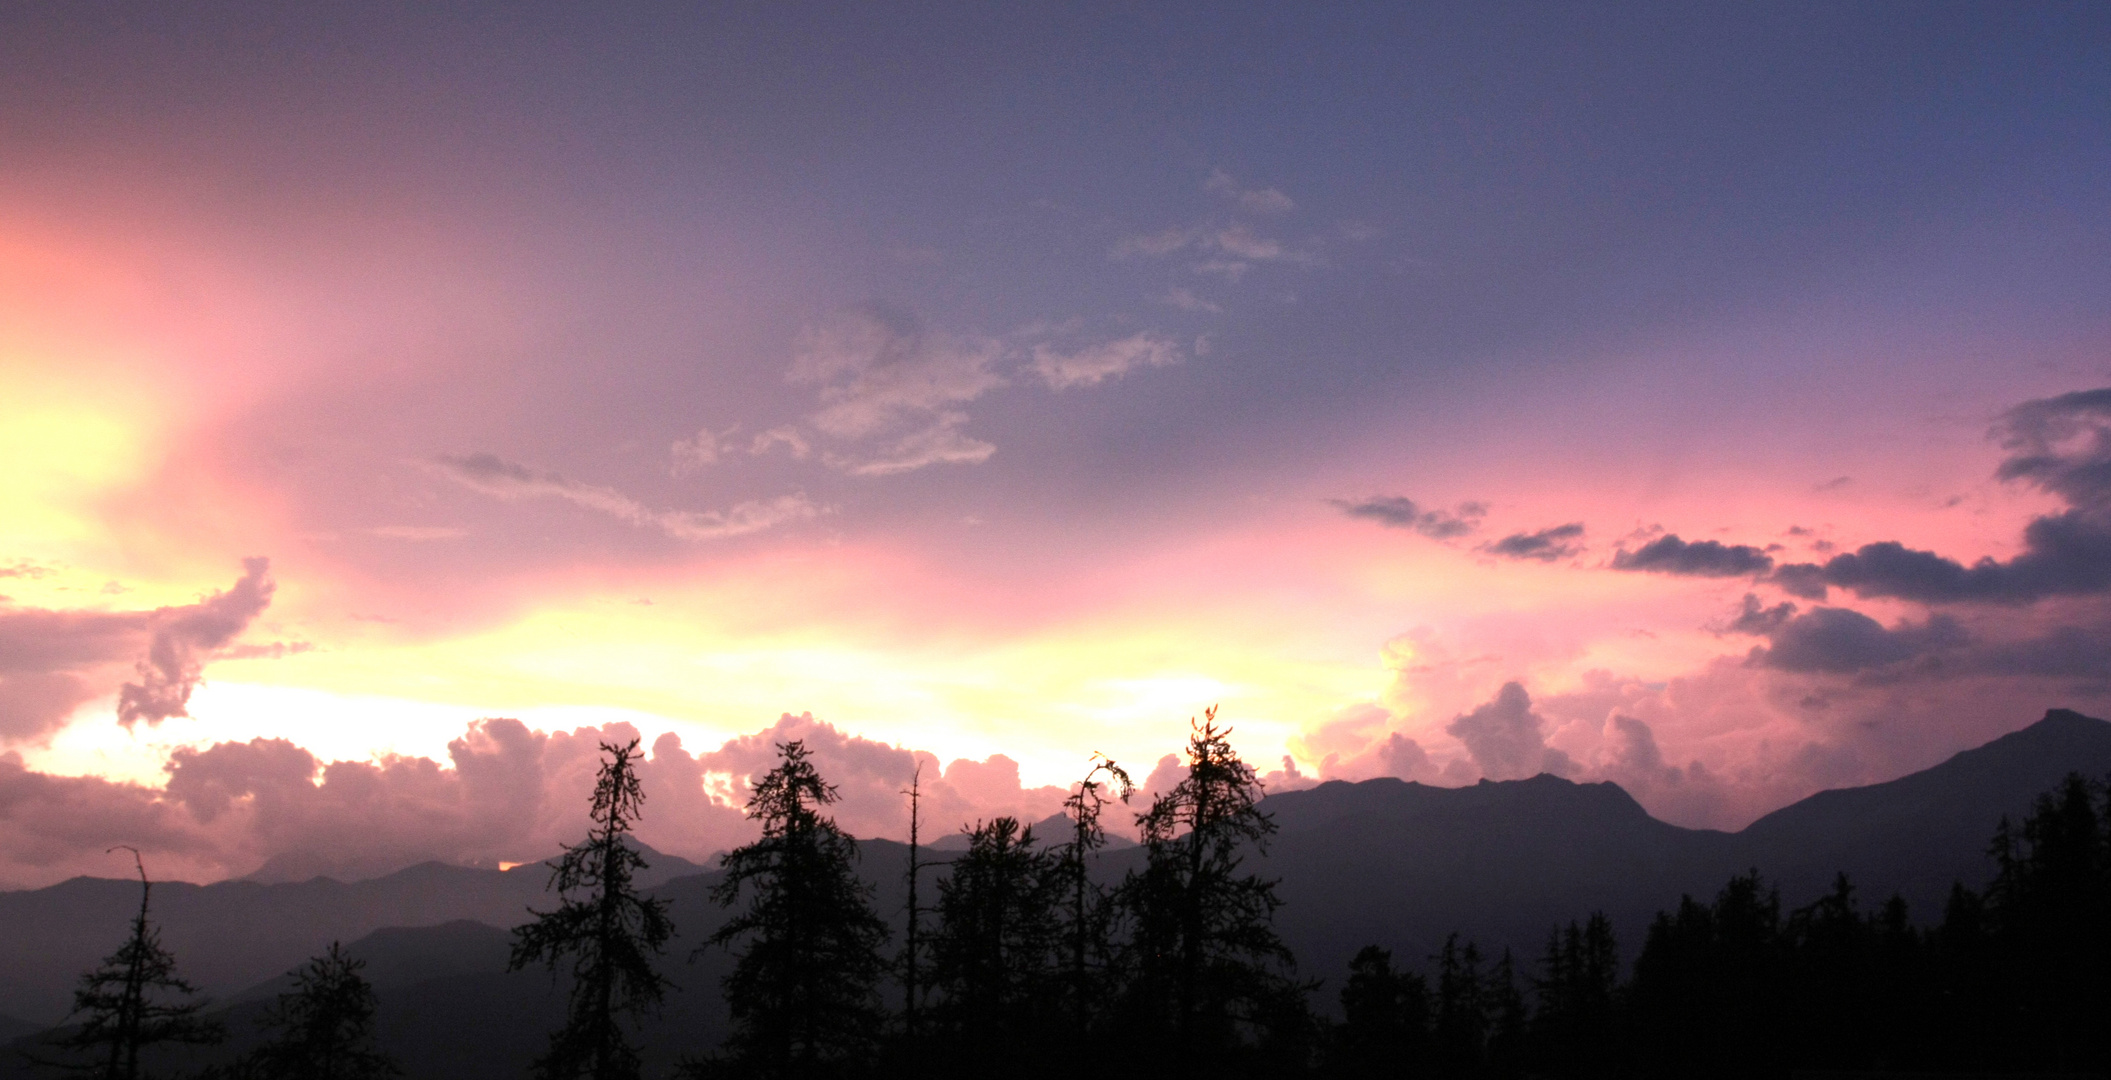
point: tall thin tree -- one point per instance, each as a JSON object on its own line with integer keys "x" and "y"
{"x": 1085, "y": 929}
{"x": 1209, "y": 971}
{"x": 132, "y": 1001}
{"x": 803, "y": 990}
{"x": 911, "y": 991}
{"x": 610, "y": 931}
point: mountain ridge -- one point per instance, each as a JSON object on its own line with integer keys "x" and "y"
{"x": 1385, "y": 861}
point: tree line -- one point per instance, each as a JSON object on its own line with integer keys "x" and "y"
{"x": 1028, "y": 962}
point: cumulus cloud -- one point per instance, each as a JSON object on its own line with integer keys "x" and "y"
{"x": 1095, "y": 364}
{"x": 499, "y": 478}
{"x": 1546, "y": 545}
{"x": 504, "y": 792}
{"x": 1506, "y": 739}
{"x": 1400, "y": 512}
{"x": 1668, "y": 554}
{"x": 52, "y": 662}
{"x": 2061, "y": 445}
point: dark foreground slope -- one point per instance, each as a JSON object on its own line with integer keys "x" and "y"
{"x": 1385, "y": 862}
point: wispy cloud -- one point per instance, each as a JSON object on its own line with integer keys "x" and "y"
{"x": 1545, "y": 545}
{"x": 1095, "y": 364}
{"x": 942, "y": 443}
{"x": 1253, "y": 200}
{"x": 503, "y": 479}
{"x": 1401, "y": 512}
{"x": 1181, "y": 297}
{"x": 417, "y": 533}
{"x": 878, "y": 369}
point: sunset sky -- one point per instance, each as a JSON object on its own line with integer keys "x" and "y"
{"x": 1010, "y": 380}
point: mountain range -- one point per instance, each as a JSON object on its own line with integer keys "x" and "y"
{"x": 1385, "y": 862}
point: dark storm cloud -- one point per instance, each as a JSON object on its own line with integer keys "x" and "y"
{"x": 2061, "y": 445}
{"x": 1400, "y": 512}
{"x": 1668, "y": 554}
{"x": 2065, "y": 652}
{"x": 1841, "y": 641}
{"x": 1546, "y": 545}
{"x": 1753, "y": 618}
{"x": 51, "y": 662}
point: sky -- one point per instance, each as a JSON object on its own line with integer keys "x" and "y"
{"x": 397, "y": 401}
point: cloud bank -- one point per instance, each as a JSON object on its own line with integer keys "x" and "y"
{"x": 504, "y": 793}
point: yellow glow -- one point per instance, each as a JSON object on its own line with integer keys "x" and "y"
{"x": 64, "y": 447}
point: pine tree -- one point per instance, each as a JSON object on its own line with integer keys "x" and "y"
{"x": 324, "y": 1026}
{"x": 1573, "y": 1029}
{"x": 1461, "y": 1022}
{"x": 611, "y": 933}
{"x": 133, "y": 1001}
{"x": 1385, "y": 1019}
{"x": 2050, "y": 910}
{"x": 803, "y": 987}
{"x": 1506, "y": 1020}
{"x": 1085, "y": 923}
{"x": 997, "y": 945}
{"x": 1209, "y": 976}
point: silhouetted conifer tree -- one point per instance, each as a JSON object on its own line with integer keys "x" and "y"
{"x": 610, "y": 931}
{"x": 2050, "y": 912}
{"x": 1574, "y": 1030}
{"x": 1086, "y": 919}
{"x": 1460, "y": 1027}
{"x": 912, "y": 933}
{"x": 1508, "y": 1021}
{"x": 1385, "y": 1019}
{"x": 324, "y": 1027}
{"x": 996, "y": 953}
{"x": 133, "y": 1001}
{"x": 1709, "y": 986}
{"x": 1208, "y": 974}
{"x": 803, "y": 988}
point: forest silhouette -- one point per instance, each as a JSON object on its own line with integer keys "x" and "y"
{"x": 1025, "y": 962}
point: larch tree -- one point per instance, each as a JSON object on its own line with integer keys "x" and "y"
{"x": 133, "y": 1001}
{"x": 1210, "y": 980}
{"x": 606, "y": 927}
{"x": 323, "y": 1029}
{"x": 803, "y": 991}
{"x": 1086, "y": 921}
{"x": 996, "y": 951}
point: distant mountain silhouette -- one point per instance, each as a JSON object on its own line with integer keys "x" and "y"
{"x": 1917, "y": 834}
{"x": 1388, "y": 862}
{"x": 1051, "y": 830}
